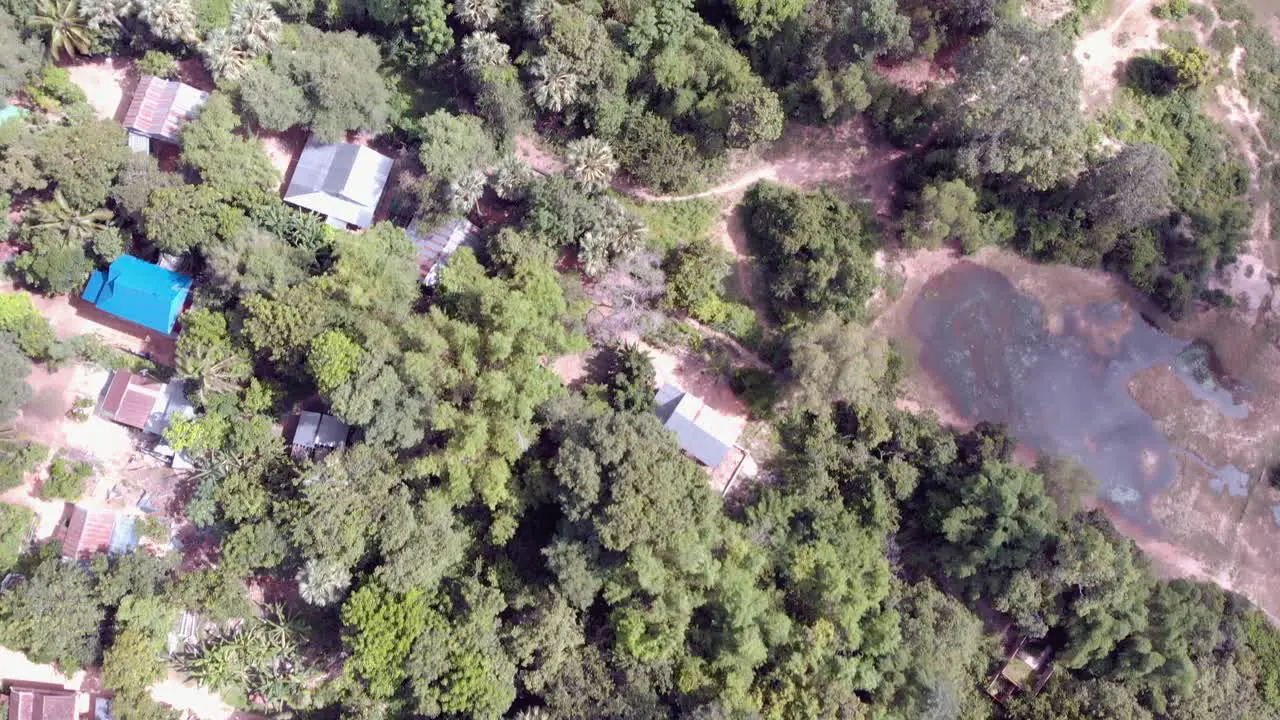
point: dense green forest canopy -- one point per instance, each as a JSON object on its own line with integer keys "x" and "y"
{"x": 494, "y": 544}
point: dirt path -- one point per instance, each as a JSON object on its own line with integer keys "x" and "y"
{"x": 1248, "y": 278}
{"x": 842, "y": 158}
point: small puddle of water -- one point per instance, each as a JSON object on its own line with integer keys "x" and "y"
{"x": 1062, "y": 392}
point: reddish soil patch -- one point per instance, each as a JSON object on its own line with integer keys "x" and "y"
{"x": 71, "y": 316}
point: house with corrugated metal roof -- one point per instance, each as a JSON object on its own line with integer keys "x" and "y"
{"x": 695, "y": 430}
{"x": 341, "y": 181}
{"x": 144, "y": 403}
{"x": 85, "y": 532}
{"x": 40, "y": 701}
{"x": 437, "y": 245}
{"x": 158, "y": 110}
{"x": 141, "y": 292}
{"x": 318, "y": 435}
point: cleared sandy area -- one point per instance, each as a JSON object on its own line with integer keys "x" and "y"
{"x": 1102, "y": 53}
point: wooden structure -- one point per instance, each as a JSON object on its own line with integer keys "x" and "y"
{"x": 1025, "y": 672}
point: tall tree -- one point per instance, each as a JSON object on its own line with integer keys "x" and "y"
{"x": 15, "y": 392}
{"x": 20, "y": 57}
{"x": 814, "y": 249}
{"x": 54, "y": 616}
{"x": 337, "y": 73}
{"x": 1016, "y": 106}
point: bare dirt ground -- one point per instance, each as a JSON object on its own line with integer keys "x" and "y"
{"x": 109, "y": 83}
{"x": 1131, "y": 30}
{"x": 1203, "y": 534}
{"x": 916, "y": 75}
{"x": 284, "y": 149}
{"x": 72, "y": 316}
{"x": 1047, "y": 12}
{"x": 1249, "y": 278}
{"x": 542, "y": 161}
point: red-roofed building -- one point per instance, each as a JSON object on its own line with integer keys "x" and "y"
{"x": 131, "y": 399}
{"x": 37, "y": 701}
{"x": 159, "y": 108}
{"x": 85, "y": 533}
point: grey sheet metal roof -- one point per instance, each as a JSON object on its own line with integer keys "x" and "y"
{"x": 679, "y": 412}
{"x": 435, "y": 246}
{"x": 159, "y": 107}
{"x": 341, "y": 181}
{"x": 319, "y": 430}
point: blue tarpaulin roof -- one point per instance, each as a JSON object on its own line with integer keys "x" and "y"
{"x": 139, "y": 292}
{"x": 10, "y": 112}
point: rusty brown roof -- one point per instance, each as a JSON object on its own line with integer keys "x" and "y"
{"x": 88, "y": 533}
{"x": 131, "y": 399}
{"x": 41, "y": 703}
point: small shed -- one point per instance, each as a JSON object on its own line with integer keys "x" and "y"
{"x": 437, "y": 245}
{"x": 144, "y": 403}
{"x": 341, "y": 181}
{"x": 158, "y": 110}
{"x": 10, "y": 113}
{"x": 86, "y": 533}
{"x": 140, "y": 292}
{"x": 133, "y": 399}
{"x": 1026, "y": 672}
{"x": 682, "y": 414}
{"x": 40, "y": 701}
{"x": 318, "y": 435}
{"x": 185, "y": 633}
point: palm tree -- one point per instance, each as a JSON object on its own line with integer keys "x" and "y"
{"x": 172, "y": 20}
{"x": 226, "y": 60}
{"x": 536, "y": 16}
{"x": 511, "y": 178}
{"x": 255, "y": 25}
{"x": 216, "y": 374}
{"x": 63, "y": 28}
{"x": 465, "y": 192}
{"x": 482, "y": 50}
{"x": 627, "y": 228}
{"x": 322, "y": 582}
{"x": 76, "y": 227}
{"x": 591, "y": 163}
{"x": 556, "y": 85}
{"x": 98, "y": 14}
{"x": 478, "y": 14}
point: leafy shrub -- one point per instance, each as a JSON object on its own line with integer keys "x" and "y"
{"x": 673, "y": 224}
{"x": 17, "y": 459}
{"x": 81, "y": 409}
{"x": 53, "y": 89}
{"x": 152, "y": 528}
{"x": 15, "y": 527}
{"x": 757, "y": 388}
{"x": 158, "y": 63}
{"x": 66, "y": 479}
{"x": 300, "y": 229}
{"x": 629, "y": 378}
{"x": 695, "y": 277}
{"x": 1172, "y": 10}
